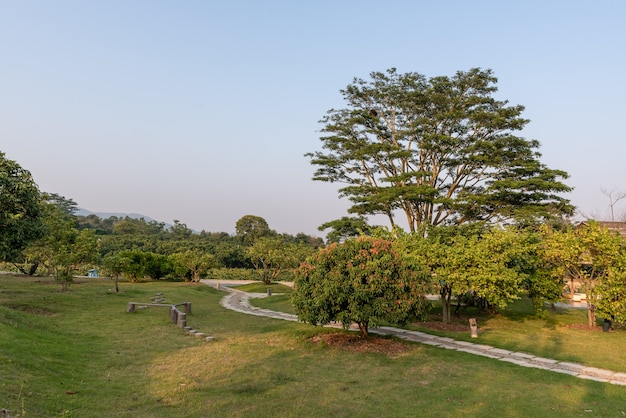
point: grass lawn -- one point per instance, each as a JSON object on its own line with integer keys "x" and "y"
{"x": 79, "y": 354}
{"x": 562, "y": 334}
{"x": 260, "y": 287}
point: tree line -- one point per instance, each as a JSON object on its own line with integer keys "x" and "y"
{"x": 41, "y": 234}
{"x": 486, "y": 220}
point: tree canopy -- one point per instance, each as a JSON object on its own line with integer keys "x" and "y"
{"x": 440, "y": 150}
{"x": 362, "y": 280}
{"x": 468, "y": 260}
{"x": 20, "y": 209}
{"x": 593, "y": 256}
{"x": 251, "y": 227}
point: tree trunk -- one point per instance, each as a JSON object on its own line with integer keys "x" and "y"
{"x": 363, "y": 328}
{"x": 591, "y": 314}
{"x": 446, "y": 301}
{"x": 33, "y": 269}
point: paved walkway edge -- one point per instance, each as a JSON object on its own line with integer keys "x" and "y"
{"x": 237, "y": 300}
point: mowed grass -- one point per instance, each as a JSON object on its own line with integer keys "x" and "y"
{"x": 561, "y": 334}
{"x": 79, "y": 354}
{"x": 260, "y": 287}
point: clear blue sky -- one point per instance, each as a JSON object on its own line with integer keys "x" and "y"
{"x": 201, "y": 111}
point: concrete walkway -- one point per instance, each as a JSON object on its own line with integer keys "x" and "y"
{"x": 237, "y": 300}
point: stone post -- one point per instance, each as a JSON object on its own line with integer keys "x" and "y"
{"x": 182, "y": 320}
{"x": 473, "y": 328}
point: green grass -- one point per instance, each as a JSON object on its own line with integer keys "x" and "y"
{"x": 79, "y": 354}
{"x": 561, "y": 334}
{"x": 260, "y": 287}
{"x": 280, "y": 303}
{"x": 518, "y": 329}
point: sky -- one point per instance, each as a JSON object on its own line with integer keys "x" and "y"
{"x": 202, "y": 111}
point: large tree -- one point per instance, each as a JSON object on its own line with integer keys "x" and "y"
{"x": 440, "y": 150}
{"x": 251, "y": 227}
{"x": 20, "y": 209}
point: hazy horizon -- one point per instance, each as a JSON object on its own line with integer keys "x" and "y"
{"x": 203, "y": 111}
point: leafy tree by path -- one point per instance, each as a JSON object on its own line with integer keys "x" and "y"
{"x": 612, "y": 303}
{"x": 270, "y": 256}
{"x": 438, "y": 150}
{"x": 20, "y": 209}
{"x": 538, "y": 282}
{"x": 194, "y": 263}
{"x": 467, "y": 260}
{"x": 594, "y": 256}
{"x": 362, "y": 280}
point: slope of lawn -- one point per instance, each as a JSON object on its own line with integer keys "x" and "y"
{"x": 561, "y": 334}
{"x": 79, "y": 354}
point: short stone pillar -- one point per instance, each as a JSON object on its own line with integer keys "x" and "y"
{"x": 182, "y": 320}
{"x": 473, "y": 328}
{"x": 174, "y": 314}
{"x": 269, "y": 291}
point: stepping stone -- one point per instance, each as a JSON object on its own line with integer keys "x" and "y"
{"x": 522, "y": 355}
{"x": 619, "y": 377}
{"x": 565, "y": 371}
{"x": 500, "y": 351}
{"x": 571, "y": 366}
{"x": 543, "y": 360}
{"x": 601, "y": 373}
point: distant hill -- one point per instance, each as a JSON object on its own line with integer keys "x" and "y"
{"x": 106, "y": 215}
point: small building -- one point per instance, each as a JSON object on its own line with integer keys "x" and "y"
{"x": 93, "y": 273}
{"x": 619, "y": 227}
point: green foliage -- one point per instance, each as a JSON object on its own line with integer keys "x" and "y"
{"x": 439, "y": 150}
{"x": 20, "y": 209}
{"x": 232, "y": 274}
{"x": 540, "y": 285}
{"x": 250, "y": 227}
{"x": 193, "y": 264}
{"x": 363, "y": 281}
{"x": 470, "y": 260}
{"x": 611, "y": 304}
{"x": 131, "y": 263}
{"x": 593, "y": 256}
{"x": 271, "y": 256}
{"x": 345, "y": 227}
{"x": 157, "y": 266}
{"x": 63, "y": 250}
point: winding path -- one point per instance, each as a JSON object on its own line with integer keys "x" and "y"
{"x": 237, "y": 300}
